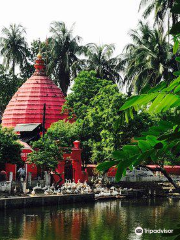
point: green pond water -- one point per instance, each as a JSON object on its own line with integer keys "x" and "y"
{"x": 110, "y": 220}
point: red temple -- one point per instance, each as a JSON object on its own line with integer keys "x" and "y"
{"x": 26, "y": 106}
{"x": 26, "y": 110}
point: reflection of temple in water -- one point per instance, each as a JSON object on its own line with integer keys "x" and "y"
{"x": 112, "y": 220}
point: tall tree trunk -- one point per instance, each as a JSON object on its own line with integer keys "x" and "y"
{"x": 174, "y": 16}
{"x": 64, "y": 81}
{"x": 13, "y": 68}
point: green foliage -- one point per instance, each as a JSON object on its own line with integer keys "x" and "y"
{"x": 148, "y": 59}
{"x": 175, "y": 29}
{"x": 103, "y": 117}
{"x": 165, "y": 11}
{"x": 95, "y": 103}
{"x": 9, "y": 85}
{"x": 13, "y": 46}
{"x": 86, "y": 86}
{"x": 10, "y": 149}
{"x": 27, "y": 69}
{"x": 64, "y": 49}
{"x": 158, "y": 99}
{"x": 47, "y": 153}
{"x": 59, "y": 137}
{"x": 66, "y": 133}
{"x": 162, "y": 141}
{"x": 155, "y": 146}
{"x": 100, "y": 59}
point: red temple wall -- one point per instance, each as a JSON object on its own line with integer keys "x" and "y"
{"x": 74, "y": 157}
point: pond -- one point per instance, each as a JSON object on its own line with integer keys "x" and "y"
{"x": 109, "y": 220}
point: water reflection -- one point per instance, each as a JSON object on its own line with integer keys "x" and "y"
{"x": 112, "y": 220}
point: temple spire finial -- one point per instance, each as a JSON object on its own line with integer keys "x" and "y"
{"x": 39, "y": 65}
{"x": 39, "y": 55}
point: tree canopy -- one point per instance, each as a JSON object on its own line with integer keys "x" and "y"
{"x": 161, "y": 140}
{"x": 10, "y": 148}
{"x": 148, "y": 59}
{"x": 95, "y": 104}
{"x": 100, "y": 59}
{"x": 13, "y": 46}
{"x": 161, "y": 10}
{"x": 47, "y": 153}
{"x": 8, "y": 85}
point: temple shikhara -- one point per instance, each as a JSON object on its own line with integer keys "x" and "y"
{"x": 33, "y": 108}
{"x": 26, "y": 106}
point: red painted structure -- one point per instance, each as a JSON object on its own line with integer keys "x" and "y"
{"x": 26, "y": 106}
{"x": 30, "y": 168}
{"x": 72, "y": 163}
{"x": 10, "y": 168}
{"x": 174, "y": 170}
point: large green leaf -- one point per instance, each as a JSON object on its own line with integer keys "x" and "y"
{"x": 143, "y": 157}
{"x": 172, "y": 85}
{"x": 139, "y": 100}
{"x": 152, "y": 140}
{"x": 177, "y": 73}
{"x": 106, "y": 165}
{"x": 177, "y": 59}
{"x": 129, "y": 103}
{"x": 123, "y": 165}
{"x": 170, "y": 136}
{"x": 120, "y": 169}
{"x": 131, "y": 150}
{"x": 159, "y": 87}
{"x": 144, "y": 145}
{"x": 177, "y": 89}
{"x": 146, "y": 89}
{"x": 119, "y": 154}
{"x": 156, "y": 102}
{"x": 175, "y": 47}
{"x": 166, "y": 102}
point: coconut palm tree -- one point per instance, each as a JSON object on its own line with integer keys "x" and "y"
{"x": 149, "y": 59}
{"x": 65, "y": 49}
{"x": 161, "y": 10}
{"x": 100, "y": 58}
{"x": 13, "y": 46}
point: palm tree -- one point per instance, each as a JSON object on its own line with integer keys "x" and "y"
{"x": 161, "y": 9}
{"x": 99, "y": 58}
{"x": 13, "y": 46}
{"x": 64, "y": 51}
{"x": 149, "y": 59}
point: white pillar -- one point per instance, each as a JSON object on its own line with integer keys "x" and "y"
{"x": 10, "y": 176}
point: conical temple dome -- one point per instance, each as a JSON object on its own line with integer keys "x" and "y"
{"x": 26, "y": 106}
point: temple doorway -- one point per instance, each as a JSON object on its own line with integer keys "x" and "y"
{"x": 68, "y": 170}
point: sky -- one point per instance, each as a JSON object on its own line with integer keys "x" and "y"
{"x": 97, "y": 21}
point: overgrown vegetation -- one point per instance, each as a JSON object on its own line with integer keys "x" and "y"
{"x": 162, "y": 140}
{"x": 10, "y": 149}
